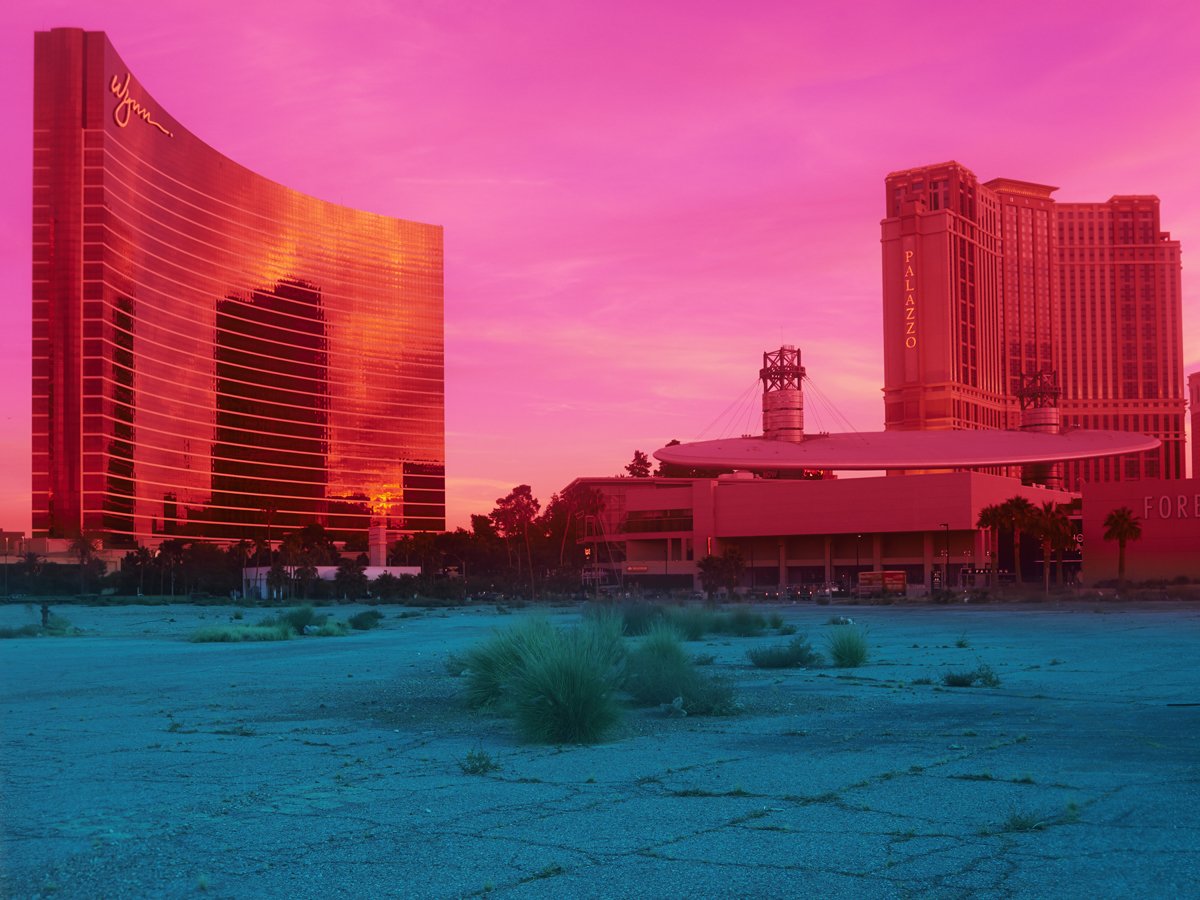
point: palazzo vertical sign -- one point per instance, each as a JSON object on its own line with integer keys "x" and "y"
{"x": 910, "y": 299}
{"x": 904, "y": 318}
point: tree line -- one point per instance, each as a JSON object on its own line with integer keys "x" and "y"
{"x": 517, "y": 548}
{"x": 1050, "y": 525}
{"x": 520, "y": 547}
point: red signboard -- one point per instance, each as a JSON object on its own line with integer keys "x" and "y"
{"x": 885, "y": 582}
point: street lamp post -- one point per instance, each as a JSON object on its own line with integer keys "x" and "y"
{"x": 946, "y": 557}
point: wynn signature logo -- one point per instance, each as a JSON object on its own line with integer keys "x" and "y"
{"x": 127, "y": 107}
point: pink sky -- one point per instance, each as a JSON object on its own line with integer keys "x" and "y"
{"x": 639, "y": 198}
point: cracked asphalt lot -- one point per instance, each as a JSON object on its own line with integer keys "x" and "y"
{"x": 136, "y": 764}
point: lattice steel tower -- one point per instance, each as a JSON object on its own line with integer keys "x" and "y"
{"x": 783, "y": 396}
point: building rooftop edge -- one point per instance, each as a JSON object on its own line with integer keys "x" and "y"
{"x": 331, "y": 204}
{"x": 1024, "y": 188}
{"x": 941, "y": 165}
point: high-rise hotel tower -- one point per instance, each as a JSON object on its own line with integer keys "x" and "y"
{"x": 215, "y": 355}
{"x": 987, "y": 286}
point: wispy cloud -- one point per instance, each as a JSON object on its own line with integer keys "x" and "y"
{"x": 639, "y": 199}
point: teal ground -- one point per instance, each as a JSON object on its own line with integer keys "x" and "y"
{"x": 137, "y": 764}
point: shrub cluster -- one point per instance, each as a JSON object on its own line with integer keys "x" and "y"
{"x": 559, "y": 685}
{"x": 564, "y": 691}
{"x": 332, "y": 629}
{"x": 296, "y": 620}
{"x": 795, "y": 654}
{"x": 489, "y": 667}
{"x": 639, "y": 617}
{"x": 22, "y": 631}
{"x": 743, "y": 622}
{"x": 984, "y": 676}
{"x": 234, "y": 634}
{"x": 366, "y": 620}
{"x": 301, "y": 617}
{"x": 848, "y": 646}
{"x": 692, "y": 622}
{"x": 56, "y": 626}
{"x": 659, "y": 671}
{"x": 563, "y": 685}
{"x": 278, "y": 628}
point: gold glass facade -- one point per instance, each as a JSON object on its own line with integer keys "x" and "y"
{"x": 214, "y": 354}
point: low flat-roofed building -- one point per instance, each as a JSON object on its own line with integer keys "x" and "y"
{"x": 654, "y": 531}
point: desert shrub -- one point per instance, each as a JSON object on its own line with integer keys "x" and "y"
{"x": 608, "y": 617}
{"x": 430, "y": 601}
{"x": 365, "y": 620}
{"x": 563, "y": 690}
{"x": 1023, "y": 821}
{"x": 659, "y": 670}
{"x": 958, "y": 679}
{"x": 332, "y": 629}
{"x": 787, "y": 629}
{"x": 794, "y": 654}
{"x": 711, "y": 695}
{"x": 296, "y": 619}
{"x": 663, "y": 640}
{"x": 848, "y": 647}
{"x": 775, "y": 620}
{"x": 606, "y": 630}
{"x": 693, "y": 622}
{"x": 987, "y": 676}
{"x": 238, "y": 633}
{"x": 479, "y": 762}
{"x": 743, "y": 622}
{"x": 300, "y": 617}
{"x": 491, "y": 665}
{"x": 984, "y": 675}
{"x": 57, "y": 626}
{"x": 22, "y": 631}
{"x": 639, "y": 617}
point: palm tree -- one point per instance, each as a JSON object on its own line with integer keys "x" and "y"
{"x": 83, "y": 546}
{"x": 1064, "y": 537}
{"x": 993, "y": 519}
{"x": 290, "y": 552}
{"x": 1051, "y": 525}
{"x": 734, "y": 566}
{"x": 142, "y": 557}
{"x": 1018, "y": 515}
{"x": 1122, "y": 526}
{"x": 32, "y": 564}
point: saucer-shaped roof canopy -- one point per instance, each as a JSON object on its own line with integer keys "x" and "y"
{"x": 905, "y": 450}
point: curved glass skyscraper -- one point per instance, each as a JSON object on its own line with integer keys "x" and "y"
{"x": 215, "y": 355}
